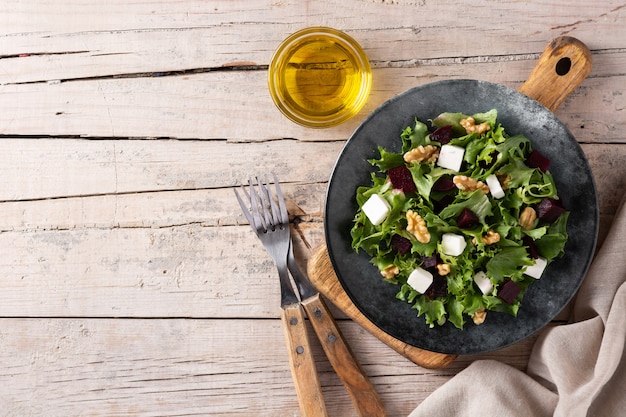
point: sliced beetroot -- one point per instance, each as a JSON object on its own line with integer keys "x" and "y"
{"x": 439, "y": 287}
{"x": 443, "y": 202}
{"x": 467, "y": 219}
{"x": 508, "y": 291}
{"x": 537, "y": 160}
{"x": 531, "y": 247}
{"x": 444, "y": 183}
{"x": 402, "y": 244}
{"x": 402, "y": 179}
{"x": 430, "y": 261}
{"x": 549, "y": 209}
{"x": 442, "y": 135}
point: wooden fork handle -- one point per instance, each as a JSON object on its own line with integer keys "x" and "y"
{"x": 301, "y": 361}
{"x": 361, "y": 391}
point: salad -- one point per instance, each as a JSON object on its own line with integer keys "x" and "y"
{"x": 462, "y": 220}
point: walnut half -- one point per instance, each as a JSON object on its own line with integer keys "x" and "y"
{"x": 428, "y": 153}
{"x": 443, "y": 269}
{"x": 491, "y": 237}
{"x": 417, "y": 226}
{"x": 390, "y": 271}
{"x": 471, "y": 127}
{"x": 479, "y": 316}
{"x": 465, "y": 183}
{"x": 527, "y": 218}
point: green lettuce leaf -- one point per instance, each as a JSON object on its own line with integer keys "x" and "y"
{"x": 387, "y": 160}
{"x": 507, "y": 263}
{"x": 477, "y": 201}
{"x": 433, "y": 310}
{"x": 414, "y": 137}
{"x": 552, "y": 244}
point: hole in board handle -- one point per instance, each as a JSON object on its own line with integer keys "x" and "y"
{"x": 563, "y": 66}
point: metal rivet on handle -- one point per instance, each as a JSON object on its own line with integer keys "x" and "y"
{"x": 300, "y": 350}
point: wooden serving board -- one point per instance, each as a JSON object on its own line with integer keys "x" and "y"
{"x": 563, "y": 65}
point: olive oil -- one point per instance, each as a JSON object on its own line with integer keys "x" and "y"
{"x": 320, "y": 77}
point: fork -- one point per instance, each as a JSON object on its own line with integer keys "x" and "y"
{"x": 271, "y": 223}
{"x": 272, "y": 227}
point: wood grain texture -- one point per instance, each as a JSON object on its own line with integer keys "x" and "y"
{"x": 113, "y": 367}
{"x": 561, "y": 68}
{"x": 45, "y": 43}
{"x": 162, "y": 70}
{"x": 189, "y": 107}
{"x": 362, "y": 393}
{"x": 302, "y": 362}
{"x": 131, "y": 284}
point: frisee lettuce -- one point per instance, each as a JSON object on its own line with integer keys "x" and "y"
{"x": 493, "y": 152}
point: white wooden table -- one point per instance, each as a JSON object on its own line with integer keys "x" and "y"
{"x": 130, "y": 282}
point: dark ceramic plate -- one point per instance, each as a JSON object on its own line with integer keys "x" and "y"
{"x": 519, "y": 114}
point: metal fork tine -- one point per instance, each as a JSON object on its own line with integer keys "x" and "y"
{"x": 265, "y": 203}
{"x": 263, "y": 211}
{"x": 244, "y": 206}
{"x": 277, "y": 220}
{"x": 281, "y": 203}
{"x": 248, "y": 196}
{"x": 259, "y": 220}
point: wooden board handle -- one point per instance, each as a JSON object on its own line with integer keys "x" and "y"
{"x": 322, "y": 274}
{"x": 366, "y": 401}
{"x": 562, "y": 66}
{"x": 302, "y": 363}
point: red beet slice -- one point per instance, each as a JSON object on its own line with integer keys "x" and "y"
{"x": 537, "y": 160}
{"x": 442, "y": 135}
{"x": 444, "y": 202}
{"x": 549, "y": 209}
{"x": 439, "y": 287}
{"x": 531, "y": 247}
{"x": 429, "y": 261}
{"x": 509, "y": 291}
{"x": 402, "y": 179}
{"x": 467, "y": 219}
{"x": 444, "y": 183}
{"x": 402, "y": 244}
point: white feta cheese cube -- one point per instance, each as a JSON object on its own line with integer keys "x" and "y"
{"x": 452, "y": 244}
{"x": 376, "y": 209}
{"x": 451, "y": 157}
{"x": 483, "y": 282}
{"x": 420, "y": 279}
{"x": 537, "y": 268}
{"x": 494, "y": 186}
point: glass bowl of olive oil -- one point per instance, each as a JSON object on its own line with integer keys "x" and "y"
{"x": 319, "y": 77}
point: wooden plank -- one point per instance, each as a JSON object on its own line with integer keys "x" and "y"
{"x": 125, "y": 38}
{"x": 184, "y": 271}
{"x": 236, "y": 104}
{"x": 174, "y": 253}
{"x": 208, "y": 207}
{"x": 61, "y": 168}
{"x": 51, "y": 168}
{"x": 108, "y": 367}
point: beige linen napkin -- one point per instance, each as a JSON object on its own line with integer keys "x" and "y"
{"x": 576, "y": 369}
